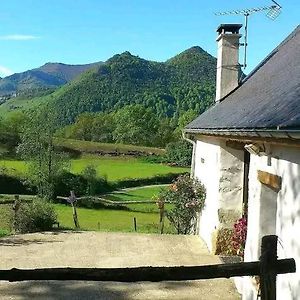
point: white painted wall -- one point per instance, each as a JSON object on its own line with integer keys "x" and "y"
{"x": 275, "y": 213}
{"x": 207, "y": 170}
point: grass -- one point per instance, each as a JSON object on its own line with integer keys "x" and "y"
{"x": 123, "y": 167}
{"x": 96, "y": 219}
{"x": 114, "y": 168}
{"x": 143, "y": 193}
{"x": 111, "y": 220}
{"x": 6, "y": 214}
{"x": 139, "y": 194}
{"x": 20, "y": 104}
{"x": 4, "y": 232}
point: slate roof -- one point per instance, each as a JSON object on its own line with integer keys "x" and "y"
{"x": 267, "y": 99}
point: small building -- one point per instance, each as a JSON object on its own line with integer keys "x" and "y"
{"x": 247, "y": 154}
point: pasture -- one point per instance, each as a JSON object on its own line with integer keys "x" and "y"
{"x": 114, "y": 168}
{"x": 99, "y": 219}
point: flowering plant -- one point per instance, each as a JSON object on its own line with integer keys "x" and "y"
{"x": 187, "y": 196}
{"x": 239, "y": 236}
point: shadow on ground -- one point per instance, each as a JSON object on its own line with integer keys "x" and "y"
{"x": 200, "y": 290}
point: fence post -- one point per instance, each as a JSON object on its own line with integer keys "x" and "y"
{"x": 134, "y": 223}
{"x": 268, "y": 261}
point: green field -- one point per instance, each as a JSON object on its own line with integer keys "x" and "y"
{"x": 137, "y": 194}
{"x": 146, "y": 214}
{"x": 111, "y": 220}
{"x": 96, "y": 219}
{"x": 115, "y": 168}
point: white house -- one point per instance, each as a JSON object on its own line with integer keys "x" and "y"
{"x": 247, "y": 153}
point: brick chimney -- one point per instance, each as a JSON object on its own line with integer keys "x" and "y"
{"x": 228, "y": 59}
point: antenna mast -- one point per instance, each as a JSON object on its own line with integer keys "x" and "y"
{"x": 272, "y": 12}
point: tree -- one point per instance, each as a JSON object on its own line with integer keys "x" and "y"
{"x": 164, "y": 134}
{"x": 135, "y": 124}
{"x": 37, "y": 148}
{"x": 10, "y": 129}
{"x": 184, "y": 119}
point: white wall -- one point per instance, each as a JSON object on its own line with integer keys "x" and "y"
{"x": 272, "y": 212}
{"x": 207, "y": 170}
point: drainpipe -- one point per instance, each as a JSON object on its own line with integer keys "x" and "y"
{"x": 193, "y": 154}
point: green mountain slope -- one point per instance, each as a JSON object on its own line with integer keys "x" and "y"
{"x": 50, "y": 75}
{"x": 184, "y": 82}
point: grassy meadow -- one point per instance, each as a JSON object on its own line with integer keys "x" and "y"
{"x": 146, "y": 214}
{"x": 114, "y": 168}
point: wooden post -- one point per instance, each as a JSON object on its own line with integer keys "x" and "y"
{"x": 268, "y": 261}
{"x": 16, "y": 207}
{"x": 161, "y": 206}
{"x": 161, "y": 219}
{"x": 134, "y": 223}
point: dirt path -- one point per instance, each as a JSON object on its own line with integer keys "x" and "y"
{"x": 91, "y": 249}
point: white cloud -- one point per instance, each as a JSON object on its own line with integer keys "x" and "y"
{"x": 18, "y": 37}
{"x": 5, "y": 71}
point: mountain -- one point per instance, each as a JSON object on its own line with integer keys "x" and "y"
{"x": 186, "y": 81}
{"x": 50, "y": 75}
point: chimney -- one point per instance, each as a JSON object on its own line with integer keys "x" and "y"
{"x": 228, "y": 59}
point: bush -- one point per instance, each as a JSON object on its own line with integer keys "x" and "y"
{"x": 38, "y": 215}
{"x": 13, "y": 185}
{"x": 67, "y": 182}
{"x": 179, "y": 153}
{"x": 188, "y": 197}
{"x": 157, "y": 179}
{"x": 89, "y": 173}
{"x": 81, "y": 184}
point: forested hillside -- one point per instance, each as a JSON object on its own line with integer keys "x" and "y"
{"x": 184, "y": 82}
{"x": 36, "y": 81}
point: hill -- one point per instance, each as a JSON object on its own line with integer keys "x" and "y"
{"x": 184, "y": 82}
{"x": 50, "y": 75}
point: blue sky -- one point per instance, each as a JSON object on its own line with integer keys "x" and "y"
{"x": 34, "y": 32}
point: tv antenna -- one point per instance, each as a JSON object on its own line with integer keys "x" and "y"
{"x": 272, "y": 12}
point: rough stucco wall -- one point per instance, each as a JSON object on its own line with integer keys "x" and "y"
{"x": 263, "y": 202}
{"x": 207, "y": 171}
{"x": 220, "y": 169}
{"x": 231, "y": 179}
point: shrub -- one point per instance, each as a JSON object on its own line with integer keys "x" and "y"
{"x": 89, "y": 173}
{"x": 179, "y": 153}
{"x": 157, "y": 179}
{"x": 38, "y": 215}
{"x": 188, "y": 197}
{"x": 13, "y": 185}
{"x": 67, "y": 182}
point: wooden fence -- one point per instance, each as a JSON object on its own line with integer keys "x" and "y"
{"x": 267, "y": 269}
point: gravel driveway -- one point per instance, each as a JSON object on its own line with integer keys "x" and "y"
{"x": 96, "y": 249}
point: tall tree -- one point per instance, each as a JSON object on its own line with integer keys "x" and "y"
{"x": 135, "y": 124}
{"x": 37, "y": 148}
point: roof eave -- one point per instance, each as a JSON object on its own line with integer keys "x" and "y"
{"x": 291, "y": 134}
